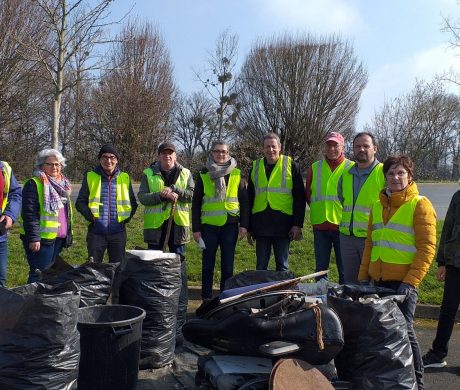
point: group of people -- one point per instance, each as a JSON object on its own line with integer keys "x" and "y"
{"x": 382, "y": 231}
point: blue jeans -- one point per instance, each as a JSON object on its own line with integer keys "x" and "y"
{"x": 449, "y": 307}
{"x": 264, "y": 251}
{"x": 324, "y": 240}
{"x": 351, "y": 251}
{"x": 408, "y": 310}
{"x": 43, "y": 258}
{"x": 115, "y": 245}
{"x": 226, "y": 237}
{"x": 3, "y": 262}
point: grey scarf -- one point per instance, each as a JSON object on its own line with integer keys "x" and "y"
{"x": 217, "y": 173}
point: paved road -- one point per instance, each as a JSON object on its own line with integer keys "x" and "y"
{"x": 439, "y": 194}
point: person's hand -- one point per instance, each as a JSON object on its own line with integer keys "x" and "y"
{"x": 196, "y": 236}
{"x": 441, "y": 274}
{"x": 404, "y": 289}
{"x": 8, "y": 221}
{"x": 173, "y": 197}
{"x": 250, "y": 239}
{"x": 295, "y": 233}
{"x": 243, "y": 232}
{"x": 34, "y": 246}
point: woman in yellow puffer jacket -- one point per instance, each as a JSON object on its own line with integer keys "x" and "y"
{"x": 401, "y": 242}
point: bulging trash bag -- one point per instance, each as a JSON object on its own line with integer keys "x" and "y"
{"x": 154, "y": 285}
{"x": 93, "y": 279}
{"x": 39, "y": 340}
{"x": 377, "y": 353}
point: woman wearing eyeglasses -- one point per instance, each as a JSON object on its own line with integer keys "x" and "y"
{"x": 46, "y": 212}
{"x": 220, "y": 213}
{"x": 401, "y": 243}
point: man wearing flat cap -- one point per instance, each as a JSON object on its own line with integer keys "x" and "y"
{"x": 166, "y": 182}
{"x": 107, "y": 201}
{"x": 325, "y": 206}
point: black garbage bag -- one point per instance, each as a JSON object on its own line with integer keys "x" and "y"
{"x": 39, "y": 340}
{"x": 153, "y": 285}
{"x": 377, "y": 353}
{"x": 248, "y": 278}
{"x": 93, "y": 279}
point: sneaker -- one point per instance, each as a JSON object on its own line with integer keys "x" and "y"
{"x": 431, "y": 359}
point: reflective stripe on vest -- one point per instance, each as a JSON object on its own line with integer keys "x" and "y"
{"x": 155, "y": 215}
{"x": 394, "y": 242}
{"x": 276, "y": 191}
{"x": 123, "y": 202}
{"x": 6, "y": 186}
{"x": 214, "y": 211}
{"x": 49, "y": 223}
{"x": 324, "y": 201}
{"x": 356, "y": 212}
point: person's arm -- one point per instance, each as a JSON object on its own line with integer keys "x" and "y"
{"x": 81, "y": 204}
{"x": 13, "y": 205}
{"x": 146, "y": 197}
{"x": 197, "y": 202}
{"x": 30, "y": 212}
{"x": 133, "y": 201}
{"x": 425, "y": 242}
{"x": 308, "y": 185}
{"x": 299, "y": 197}
{"x": 365, "y": 261}
{"x": 243, "y": 200}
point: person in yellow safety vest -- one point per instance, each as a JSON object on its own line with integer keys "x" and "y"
{"x": 46, "y": 213}
{"x": 401, "y": 243}
{"x": 164, "y": 183}
{"x": 358, "y": 188}
{"x": 276, "y": 193}
{"x": 325, "y": 207}
{"x": 10, "y": 201}
{"x": 220, "y": 213}
{"x": 107, "y": 201}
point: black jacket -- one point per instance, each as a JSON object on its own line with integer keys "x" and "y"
{"x": 449, "y": 244}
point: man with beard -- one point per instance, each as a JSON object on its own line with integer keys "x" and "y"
{"x": 358, "y": 190}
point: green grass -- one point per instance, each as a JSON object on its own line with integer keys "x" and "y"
{"x": 301, "y": 260}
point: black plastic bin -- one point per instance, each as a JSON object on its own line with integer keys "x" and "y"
{"x": 110, "y": 343}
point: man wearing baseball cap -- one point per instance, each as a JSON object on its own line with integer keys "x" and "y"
{"x": 166, "y": 182}
{"x": 325, "y": 206}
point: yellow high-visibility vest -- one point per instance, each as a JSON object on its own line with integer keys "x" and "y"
{"x": 49, "y": 223}
{"x": 361, "y": 209}
{"x": 324, "y": 200}
{"x": 394, "y": 242}
{"x": 94, "y": 181}
{"x": 6, "y": 188}
{"x": 214, "y": 211}
{"x": 155, "y": 215}
{"x": 276, "y": 191}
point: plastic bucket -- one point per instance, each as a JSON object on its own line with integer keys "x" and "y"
{"x": 110, "y": 343}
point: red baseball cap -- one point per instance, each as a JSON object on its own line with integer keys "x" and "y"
{"x": 336, "y": 137}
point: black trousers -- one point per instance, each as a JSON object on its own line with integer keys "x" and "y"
{"x": 449, "y": 307}
{"x": 115, "y": 245}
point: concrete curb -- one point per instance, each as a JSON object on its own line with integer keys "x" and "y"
{"x": 430, "y": 312}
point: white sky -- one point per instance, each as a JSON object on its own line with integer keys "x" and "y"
{"x": 398, "y": 41}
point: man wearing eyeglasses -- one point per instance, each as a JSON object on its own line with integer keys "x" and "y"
{"x": 277, "y": 201}
{"x": 107, "y": 201}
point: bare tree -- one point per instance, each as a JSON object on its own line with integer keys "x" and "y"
{"x": 72, "y": 26}
{"x": 300, "y": 88}
{"x": 220, "y": 82}
{"x": 132, "y": 104}
{"x": 422, "y": 124}
{"x": 194, "y": 126}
